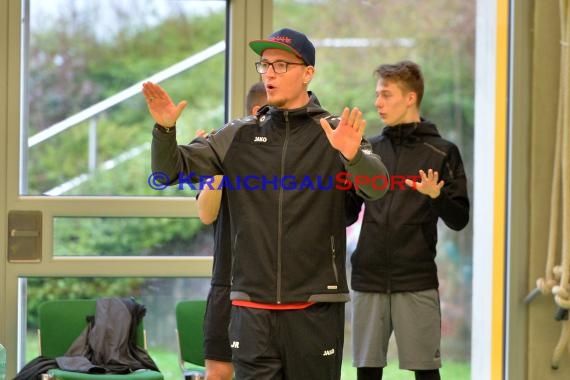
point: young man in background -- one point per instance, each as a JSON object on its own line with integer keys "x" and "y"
{"x": 394, "y": 274}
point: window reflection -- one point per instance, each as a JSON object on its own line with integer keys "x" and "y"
{"x": 83, "y": 236}
{"x": 85, "y": 126}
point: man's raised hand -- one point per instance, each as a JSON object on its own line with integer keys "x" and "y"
{"x": 429, "y": 185}
{"x": 348, "y": 134}
{"x": 161, "y": 107}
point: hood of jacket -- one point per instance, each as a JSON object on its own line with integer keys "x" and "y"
{"x": 410, "y": 132}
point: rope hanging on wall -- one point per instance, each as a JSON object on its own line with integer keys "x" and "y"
{"x": 557, "y": 277}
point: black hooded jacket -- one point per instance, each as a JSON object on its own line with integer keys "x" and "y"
{"x": 288, "y": 224}
{"x": 397, "y": 244}
{"x": 107, "y": 345}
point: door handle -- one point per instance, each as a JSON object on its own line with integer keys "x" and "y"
{"x": 24, "y": 236}
{"x": 24, "y": 233}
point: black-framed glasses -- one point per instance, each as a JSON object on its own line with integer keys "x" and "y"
{"x": 279, "y": 67}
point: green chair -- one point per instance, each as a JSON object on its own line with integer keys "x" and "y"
{"x": 190, "y": 334}
{"x": 61, "y": 322}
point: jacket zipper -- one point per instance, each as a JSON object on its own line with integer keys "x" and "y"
{"x": 280, "y": 213}
{"x": 335, "y": 270}
{"x": 389, "y": 232}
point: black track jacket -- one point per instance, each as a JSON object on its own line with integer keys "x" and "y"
{"x": 397, "y": 244}
{"x": 287, "y": 214}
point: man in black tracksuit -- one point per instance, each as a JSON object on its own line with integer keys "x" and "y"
{"x": 213, "y": 209}
{"x": 284, "y": 170}
{"x": 394, "y": 274}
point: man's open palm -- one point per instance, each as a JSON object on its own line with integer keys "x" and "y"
{"x": 346, "y": 137}
{"x": 161, "y": 107}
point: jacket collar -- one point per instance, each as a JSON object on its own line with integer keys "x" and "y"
{"x": 312, "y": 109}
{"x": 401, "y": 133}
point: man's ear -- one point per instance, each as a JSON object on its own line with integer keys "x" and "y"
{"x": 308, "y": 76}
{"x": 254, "y": 109}
{"x": 412, "y": 98}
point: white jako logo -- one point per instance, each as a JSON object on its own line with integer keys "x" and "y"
{"x": 235, "y": 344}
{"x": 328, "y": 352}
{"x": 260, "y": 139}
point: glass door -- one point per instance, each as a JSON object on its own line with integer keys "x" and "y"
{"x": 83, "y": 218}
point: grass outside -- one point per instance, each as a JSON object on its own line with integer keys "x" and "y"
{"x": 167, "y": 362}
{"x": 449, "y": 371}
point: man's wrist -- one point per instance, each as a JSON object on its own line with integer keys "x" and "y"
{"x": 436, "y": 196}
{"x": 355, "y": 157}
{"x": 165, "y": 129}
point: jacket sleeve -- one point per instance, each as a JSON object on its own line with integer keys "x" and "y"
{"x": 452, "y": 205}
{"x": 353, "y": 204}
{"x": 368, "y": 173}
{"x": 201, "y": 157}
